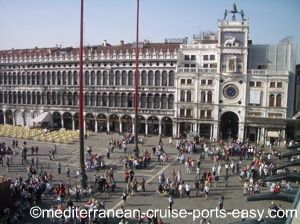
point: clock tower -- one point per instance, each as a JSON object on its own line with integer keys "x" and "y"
{"x": 232, "y": 68}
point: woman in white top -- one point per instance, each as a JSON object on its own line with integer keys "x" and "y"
{"x": 180, "y": 189}
{"x": 188, "y": 190}
{"x": 206, "y": 190}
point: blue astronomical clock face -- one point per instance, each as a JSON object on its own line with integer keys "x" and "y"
{"x": 230, "y": 91}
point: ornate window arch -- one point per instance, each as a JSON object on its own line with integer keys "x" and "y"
{"x": 182, "y": 96}
{"x": 209, "y": 97}
{"x": 202, "y": 97}
{"x": 189, "y": 96}
{"x": 278, "y": 100}
{"x": 271, "y": 100}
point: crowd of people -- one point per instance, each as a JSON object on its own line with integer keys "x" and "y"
{"x": 246, "y": 161}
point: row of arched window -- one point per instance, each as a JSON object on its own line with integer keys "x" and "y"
{"x": 102, "y": 78}
{"x": 275, "y": 100}
{"x": 103, "y": 99}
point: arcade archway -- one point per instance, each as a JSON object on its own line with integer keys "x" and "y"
{"x": 142, "y": 125}
{"x": 90, "y": 122}
{"x": 76, "y": 121}
{"x": 56, "y": 120}
{"x": 126, "y": 123}
{"x": 1, "y": 117}
{"x": 101, "y": 123}
{"x": 67, "y": 118}
{"x": 229, "y": 126}
{"x": 167, "y": 126}
{"x": 114, "y": 123}
{"x": 153, "y": 125}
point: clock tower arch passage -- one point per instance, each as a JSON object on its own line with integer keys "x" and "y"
{"x": 229, "y": 126}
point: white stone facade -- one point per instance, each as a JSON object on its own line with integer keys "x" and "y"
{"x": 38, "y": 80}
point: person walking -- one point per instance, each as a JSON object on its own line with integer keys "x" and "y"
{"x": 171, "y": 202}
{"x": 124, "y": 197}
{"x": 77, "y": 194}
{"x": 7, "y": 159}
{"x": 36, "y": 163}
{"x": 58, "y": 168}
{"x": 226, "y": 169}
{"x": 221, "y": 202}
{"x": 111, "y": 174}
{"x": 68, "y": 171}
{"x": 143, "y": 182}
{"x": 108, "y": 152}
{"x": 55, "y": 149}
{"x": 197, "y": 186}
{"x": 206, "y": 190}
{"x": 180, "y": 190}
{"x": 226, "y": 178}
{"x": 188, "y": 190}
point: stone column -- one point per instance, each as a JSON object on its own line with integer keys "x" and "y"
{"x": 258, "y": 136}
{"x": 146, "y": 127}
{"x": 120, "y": 126}
{"x": 4, "y": 117}
{"x": 159, "y": 127}
{"x": 96, "y": 126}
{"x": 195, "y": 127}
{"x": 13, "y": 118}
{"x": 241, "y": 131}
{"x": 211, "y": 135}
{"x": 282, "y": 135}
{"x": 133, "y": 129}
{"x": 62, "y": 122}
{"x": 262, "y": 136}
{"x": 215, "y": 131}
{"x": 107, "y": 125}
{"x": 73, "y": 123}
{"x": 174, "y": 128}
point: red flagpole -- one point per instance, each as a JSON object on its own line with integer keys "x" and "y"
{"x": 81, "y": 126}
{"x": 136, "y": 101}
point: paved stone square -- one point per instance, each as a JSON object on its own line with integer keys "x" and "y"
{"x": 69, "y": 155}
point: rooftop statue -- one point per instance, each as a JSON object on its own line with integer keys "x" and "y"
{"x": 234, "y": 11}
{"x": 225, "y": 14}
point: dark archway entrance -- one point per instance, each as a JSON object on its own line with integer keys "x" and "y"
{"x": 76, "y": 121}
{"x": 142, "y": 125}
{"x": 9, "y": 117}
{"x": 167, "y": 126}
{"x": 67, "y": 118}
{"x": 56, "y": 120}
{"x": 90, "y": 122}
{"x": 126, "y": 124}
{"x": 184, "y": 129}
{"x": 153, "y": 125}
{"x": 229, "y": 126}
{"x": 1, "y": 117}
{"x": 102, "y": 123}
{"x": 114, "y": 123}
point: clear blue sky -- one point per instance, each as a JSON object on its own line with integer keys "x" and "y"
{"x": 45, "y": 23}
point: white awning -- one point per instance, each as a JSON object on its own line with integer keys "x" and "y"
{"x": 44, "y": 117}
{"x": 273, "y": 134}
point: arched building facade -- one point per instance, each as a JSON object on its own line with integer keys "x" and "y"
{"x": 40, "y": 80}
